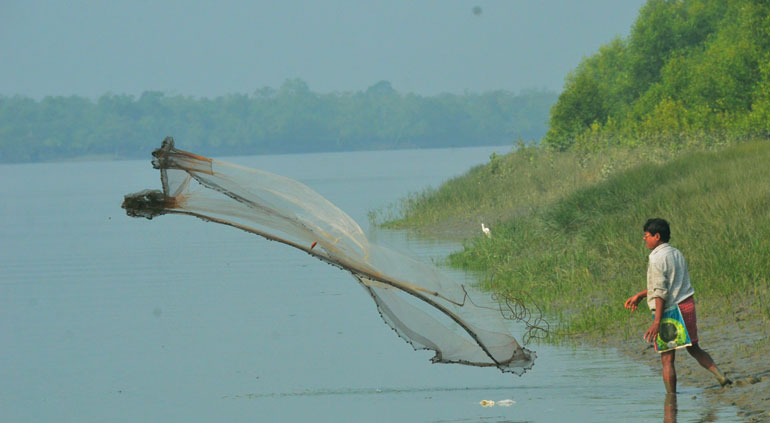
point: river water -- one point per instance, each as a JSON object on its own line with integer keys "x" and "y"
{"x": 105, "y": 318}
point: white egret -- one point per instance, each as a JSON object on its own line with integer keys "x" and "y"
{"x": 486, "y": 231}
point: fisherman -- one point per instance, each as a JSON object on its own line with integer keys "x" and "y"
{"x": 668, "y": 285}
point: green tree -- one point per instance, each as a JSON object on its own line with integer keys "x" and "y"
{"x": 689, "y": 71}
{"x": 579, "y": 105}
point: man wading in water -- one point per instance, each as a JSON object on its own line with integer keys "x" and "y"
{"x": 668, "y": 284}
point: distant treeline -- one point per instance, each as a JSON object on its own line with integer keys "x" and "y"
{"x": 289, "y": 119}
{"x": 690, "y": 72}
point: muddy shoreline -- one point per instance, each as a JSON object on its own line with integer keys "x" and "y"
{"x": 739, "y": 345}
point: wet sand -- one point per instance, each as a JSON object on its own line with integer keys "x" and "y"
{"x": 739, "y": 346}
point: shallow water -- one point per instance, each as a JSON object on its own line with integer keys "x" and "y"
{"x": 109, "y": 318}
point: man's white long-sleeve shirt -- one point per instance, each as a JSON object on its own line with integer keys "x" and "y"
{"x": 667, "y": 277}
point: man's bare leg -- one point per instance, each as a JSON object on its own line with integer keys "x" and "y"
{"x": 669, "y": 371}
{"x": 704, "y": 359}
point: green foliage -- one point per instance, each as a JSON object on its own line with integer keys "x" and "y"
{"x": 579, "y": 106}
{"x": 290, "y": 119}
{"x": 690, "y": 71}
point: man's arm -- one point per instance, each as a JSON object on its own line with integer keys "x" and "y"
{"x": 652, "y": 333}
{"x": 633, "y": 302}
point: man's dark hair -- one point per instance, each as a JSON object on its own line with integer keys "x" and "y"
{"x": 658, "y": 226}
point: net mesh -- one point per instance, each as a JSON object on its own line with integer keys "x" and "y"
{"x": 425, "y": 307}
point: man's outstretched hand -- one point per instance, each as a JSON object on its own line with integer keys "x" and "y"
{"x": 633, "y": 302}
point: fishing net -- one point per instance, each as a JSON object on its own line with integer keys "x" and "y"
{"x": 424, "y": 306}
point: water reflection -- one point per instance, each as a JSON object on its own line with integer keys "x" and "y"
{"x": 669, "y": 409}
{"x": 709, "y": 413}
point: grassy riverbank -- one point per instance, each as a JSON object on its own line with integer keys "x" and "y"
{"x": 566, "y": 228}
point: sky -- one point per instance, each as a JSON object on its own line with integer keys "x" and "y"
{"x": 208, "y": 49}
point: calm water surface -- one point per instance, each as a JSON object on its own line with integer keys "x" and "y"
{"x": 114, "y": 319}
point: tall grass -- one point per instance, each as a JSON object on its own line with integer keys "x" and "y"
{"x": 509, "y": 186}
{"x": 568, "y": 230}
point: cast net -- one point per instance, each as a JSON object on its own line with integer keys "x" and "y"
{"x": 424, "y": 306}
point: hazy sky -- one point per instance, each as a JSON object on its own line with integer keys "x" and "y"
{"x": 211, "y": 48}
